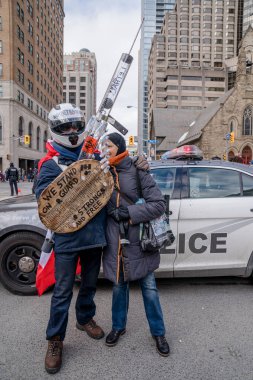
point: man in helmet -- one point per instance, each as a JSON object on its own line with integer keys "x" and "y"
{"x": 66, "y": 124}
{"x": 12, "y": 175}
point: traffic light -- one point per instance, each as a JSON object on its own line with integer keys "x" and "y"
{"x": 224, "y": 156}
{"x": 131, "y": 140}
{"x": 232, "y": 137}
{"x": 27, "y": 140}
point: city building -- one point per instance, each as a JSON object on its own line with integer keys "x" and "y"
{"x": 245, "y": 19}
{"x": 80, "y": 81}
{"x": 233, "y": 112}
{"x": 31, "y": 67}
{"x": 187, "y": 59}
{"x": 153, "y": 12}
{"x": 247, "y": 14}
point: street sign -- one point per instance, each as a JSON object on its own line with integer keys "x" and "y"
{"x": 228, "y": 136}
{"x": 152, "y": 141}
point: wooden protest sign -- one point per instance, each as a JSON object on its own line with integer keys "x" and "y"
{"x": 75, "y": 196}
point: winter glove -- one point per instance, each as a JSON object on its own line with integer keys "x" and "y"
{"x": 141, "y": 163}
{"x": 119, "y": 214}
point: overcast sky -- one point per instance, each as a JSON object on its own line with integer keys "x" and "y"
{"x": 107, "y": 28}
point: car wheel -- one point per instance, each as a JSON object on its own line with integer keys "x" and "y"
{"x": 19, "y": 258}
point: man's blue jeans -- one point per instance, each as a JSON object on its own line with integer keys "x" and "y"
{"x": 120, "y": 302}
{"x": 65, "y": 269}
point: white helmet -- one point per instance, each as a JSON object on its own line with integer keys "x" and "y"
{"x": 62, "y": 120}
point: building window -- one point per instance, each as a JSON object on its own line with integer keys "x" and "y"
{"x": 30, "y": 47}
{"x": 1, "y": 91}
{"x": 45, "y": 141}
{"x": 30, "y": 67}
{"x": 20, "y": 77}
{"x": 20, "y": 96}
{"x": 20, "y": 34}
{"x": 30, "y": 85}
{"x": 247, "y": 122}
{"x": 30, "y": 29}
{"x": 20, "y": 128}
{"x": 1, "y": 70}
{"x": 38, "y": 139}
{"x": 232, "y": 126}
{"x": 1, "y": 130}
{"x": 29, "y": 8}
{"x": 20, "y": 13}
{"x": 30, "y": 133}
{"x": 21, "y": 56}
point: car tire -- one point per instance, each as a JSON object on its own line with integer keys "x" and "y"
{"x": 19, "y": 258}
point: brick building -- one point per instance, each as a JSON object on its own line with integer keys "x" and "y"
{"x": 31, "y": 66}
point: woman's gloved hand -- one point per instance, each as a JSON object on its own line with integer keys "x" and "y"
{"x": 141, "y": 163}
{"x": 119, "y": 214}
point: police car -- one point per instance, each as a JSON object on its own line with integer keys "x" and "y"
{"x": 211, "y": 215}
{"x": 21, "y": 238}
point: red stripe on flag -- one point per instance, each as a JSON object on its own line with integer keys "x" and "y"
{"x": 45, "y": 276}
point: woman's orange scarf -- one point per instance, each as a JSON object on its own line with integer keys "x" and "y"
{"x": 113, "y": 161}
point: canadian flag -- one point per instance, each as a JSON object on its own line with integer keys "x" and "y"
{"x": 45, "y": 272}
{"x": 45, "y": 276}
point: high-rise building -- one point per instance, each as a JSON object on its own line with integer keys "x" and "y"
{"x": 31, "y": 66}
{"x": 187, "y": 60}
{"x": 247, "y": 14}
{"x": 80, "y": 81}
{"x": 153, "y": 12}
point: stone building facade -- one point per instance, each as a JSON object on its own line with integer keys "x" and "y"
{"x": 233, "y": 112}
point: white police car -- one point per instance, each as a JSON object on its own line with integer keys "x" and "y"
{"x": 211, "y": 215}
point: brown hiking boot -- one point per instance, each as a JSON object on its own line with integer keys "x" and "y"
{"x": 53, "y": 357}
{"x": 92, "y": 329}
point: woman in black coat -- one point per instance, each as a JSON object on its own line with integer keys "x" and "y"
{"x": 123, "y": 258}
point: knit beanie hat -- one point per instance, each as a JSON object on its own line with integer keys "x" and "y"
{"x": 118, "y": 140}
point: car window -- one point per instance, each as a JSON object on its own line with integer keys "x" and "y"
{"x": 165, "y": 179}
{"x": 213, "y": 183}
{"x": 247, "y": 182}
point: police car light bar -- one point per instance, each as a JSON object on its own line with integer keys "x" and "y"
{"x": 184, "y": 152}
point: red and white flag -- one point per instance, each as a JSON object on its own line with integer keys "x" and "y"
{"x": 45, "y": 276}
{"x": 45, "y": 273}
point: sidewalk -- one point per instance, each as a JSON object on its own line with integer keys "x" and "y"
{"x": 24, "y": 189}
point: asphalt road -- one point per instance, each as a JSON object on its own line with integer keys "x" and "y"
{"x": 209, "y": 328}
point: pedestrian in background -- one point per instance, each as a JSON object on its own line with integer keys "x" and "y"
{"x": 12, "y": 176}
{"x": 35, "y": 175}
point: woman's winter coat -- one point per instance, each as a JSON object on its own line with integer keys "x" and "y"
{"x": 136, "y": 263}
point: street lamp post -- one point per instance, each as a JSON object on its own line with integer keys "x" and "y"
{"x": 146, "y": 114}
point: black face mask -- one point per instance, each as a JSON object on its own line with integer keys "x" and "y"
{"x": 73, "y": 138}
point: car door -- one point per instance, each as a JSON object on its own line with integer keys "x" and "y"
{"x": 168, "y": 178}
{"x": 215, "y": 222}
